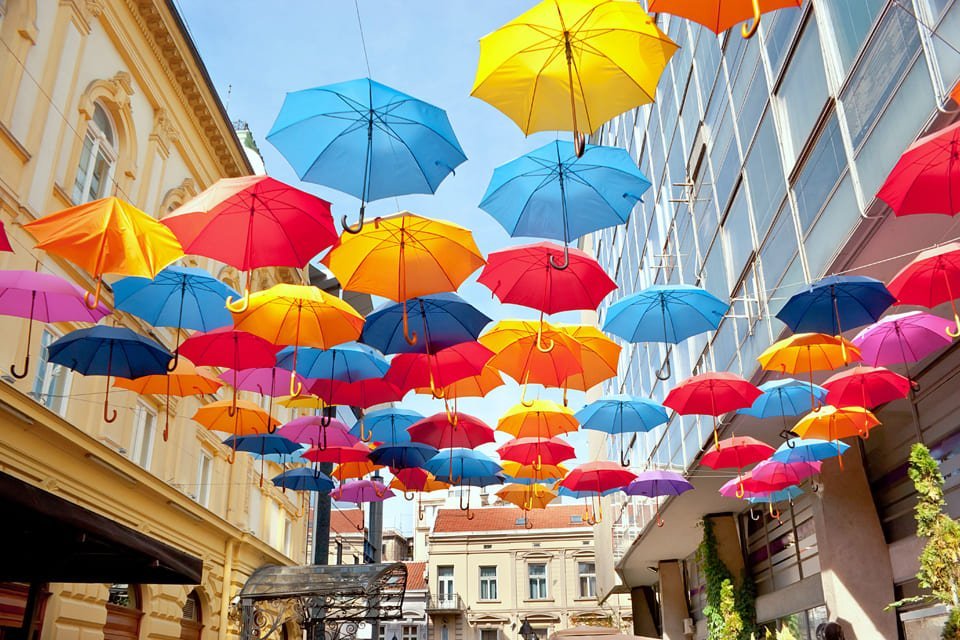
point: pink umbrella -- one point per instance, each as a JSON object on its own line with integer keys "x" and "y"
{"x": 747, "y": 486}
{"x": 263, "y": 380}
{"x": 312, "y": 430}
{"x": 903, "y": 338}
{"x": 362, "y": 491}
{"x": 784, "y": 474}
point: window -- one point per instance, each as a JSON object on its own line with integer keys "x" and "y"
{"x": 488, "y": 583}
{"x": 204, "y": 472}
{"x": 287, "y": 537}
{"x": 381, "y": 632}
{"x": 803, "y": 94}
{"x": 489, "y": 634}
{"x": 409, "y": 632}
{"x": 124, "y": 595}
{"x": 765, "y": 175}
{"x": 52, "y": 384}
{"x": 144, "y": 430}
{"x": 537, "y": 575}
{"x": 445, "y": 583}
{"x": 851, "y": 21}
{"x": 820, "y": 174}
{"x": 97, "y": 158}
{"x": 587, "y": 571}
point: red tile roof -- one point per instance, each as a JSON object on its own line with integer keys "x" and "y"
{"x": 506, "y": 519}
{"x": 345, "y": 521}
{"x": 416, "y": 578}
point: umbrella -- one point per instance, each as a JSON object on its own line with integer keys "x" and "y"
{"x": 366, "y": 139}
{"x": 932, "y": 278}
{"x": 774, "y": 472}
{"x": 109, "y": 351}
{"x": 655, "y": 484}
{"x": 262, "y": 445}
{"x": 416, "y": 480}
{"x": 926, "y": 178}
{"x": 317, "y": 432}
{"x": 339, "y": 454}
{"x": 866, "y": 387}
{"x": 405, "y": 256}
{"x": 362, "y": 394}
{"x": 836, "y": 303}
{"x": 595, "y": 478}
{"x": 360, "y": 491}
{"x": 388, "y": 426}
{"x": 180, "y": 297}
{"x": 808, "y": 450}
{"x": 242, "y": 418}
{"x": 599, "y": 58}
{"x": 720, "y": 15}
{"x": 435, "y": 371}
{"x": 787, "y": 494}
{"x": 542, "y": 419}
{"x": 522, "y": 275}
{"x": 737, "y": 453}
{"x": 402, "y": 456}
{"x": 465, "y": 467}
{"x": 599, "y": 357}
{"x": 622, "y": 414}
{"x": 347, "y": 362}
{"x": 107, "y": 236}
{"x": 782, "y": 398}
{"x": 44, "y": 297}
{"x": 809, "y": 352}
{"x": 304, "y": 401}
{"x": 833, "y": 423}
{"x": 185, "y": 380}
{"x": 523, "y": 354}
{"x": 443, "y": 319}
{"x": 472, "y": 386}
{"x": 531, "y": 474}
{"x": 903, "y": 338}
{"x": 712, "y": 394}
{"x": 252, "y": 222}
{"x": 527, "y": 497}
{"x": 665, "y": 313}
{"x": 304, "y": 480}
{"x": 348, "y": 470}
{"x": 591, "y": 192}
{"x": 266, "y": 381}
{"x": 746, "y": 486}
{"x": 443, "y": 431}
{"x": 5, "y": 245}
{"x": 537, "y": 451}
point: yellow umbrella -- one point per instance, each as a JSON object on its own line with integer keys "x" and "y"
{"x": 546, "y": 472}
{"x": 832, "y": 423}
{"x": 542, "y": 419}
{"x": 302, "y": 402}
{"x": 107, "y": 236}
{"x": 527, "y": 497}
{"x": 405, "y": 256}
{"x": 599, "y": 357}
{"x": 567, "y": 63}
{"x": 809, "y": 352}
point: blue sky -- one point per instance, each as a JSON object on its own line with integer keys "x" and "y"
{"x": 426, "y": 48}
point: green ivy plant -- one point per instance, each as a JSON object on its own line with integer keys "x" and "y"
{"x": 742, "y": 597}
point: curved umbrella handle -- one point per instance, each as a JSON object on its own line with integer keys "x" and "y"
{"x": 740, "y": 490}
{"x": 754, "y": 515}
{"x": 452, "y": 416}
{"x": 950, "y": 330}
{"x": 624, "y": 455}
{"x": 544, "y": 347}
{"x": 523, "y": 394}
{"x": 774, "y": 512}
{"x": 357, "y": 229}
{"x": 26, "y": 368}
{"x": 665, "y": 367}
{"x": 409, "y": 336}
{"x": 172, "y": 366}
{"x": 420, "y": 512}
{"x": 365, "y": 437}
{"x": 241, "y": 305}
{"x": 659, "y": 520}
{"x": 26, "y": 360}
{"x": 579, "y": 143}
{"x": 96, "y": 295}
{"x": 408, "y": 495}
{"x": 109, "y": 415}
{"x": 566, "y": 259}
{"x": 750, "y": 29}
{"x": 232, "y": 409}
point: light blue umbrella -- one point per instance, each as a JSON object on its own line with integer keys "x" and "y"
{"x": 570, "y": 493}
{"x": 783, "y": 495}
{"x": 589, "y": 193}
{"x": 465, "y": 468}
{"x": 785, "y": 397}
{"x": 445, "y": 319}
{"x": 346, "y": 362}
{"x": 811, "y": 450}
{"x": 388, "y": 426}
{"x": 622, "y": 414}
{"x": 366, "y": 139}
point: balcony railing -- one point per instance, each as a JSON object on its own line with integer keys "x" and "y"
{"x": 448, "y": 602}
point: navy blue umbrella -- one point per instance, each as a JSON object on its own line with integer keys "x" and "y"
{"x": 444, "y": 319}
{"x": 304, "y": 479}
{"x": 835, "y": 304}
{"x": 402, "y": 456}
{"x": 109, "y": 351}
{"x": 262, "y": 445}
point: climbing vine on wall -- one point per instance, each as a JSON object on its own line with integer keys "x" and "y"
{"x": 715, "y": 573}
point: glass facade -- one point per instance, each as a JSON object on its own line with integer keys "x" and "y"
{"x": 764, "y": 155}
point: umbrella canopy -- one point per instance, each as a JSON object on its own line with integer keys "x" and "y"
{"x": 787, "y": 494}
{"x": 737, "y": 453}
{"x": 598, "y": 477}
{"x": 522, "y": 353}
{"x": 230, "y": 349}
{"x": 808, "y": 352}
{"x": 523, "y": 275}
{"x": 542, "y": 419}
{"x": 471, "y": 386}
{"x": 388, "y": 426}
{"x": 435, "y": 371}
{"x": 537, "y": 451}
{"x": 654, "y": 484}
{"x": 241, "y": 418}
{"x": 348, "y": 470}
{"x": 784, "y": 397}
{"x": 932, "y": 278}
{"x": 747, "y": 487}
{"x": 712, "y": 394}
{"x": 318, "y": 431}
{"x": 366, "y": 139}
{"x": 532, "y": 474}
{"x": 347, "y": 362}
{"x": 808, "y": 450}
{"x": 403, "y": 456}
{"x": 304, "y": 401}
{"x": 107, "y": 236}
{"x": 833, "y": 423}
{"x": 362, "y": 394}
{"x": 458, "y": 430}
{"x": 621, "y": 414}
{"x": 589, "y": 193}
{"x": 443, "y": 319}
{"x": 263, "y": 444}
{"x": 835, "y": 304}
{"x": 361, "y": 491}
{"x": 527, "y": 497}
{"x": 416, "y": 479}
{"x": 599, "y": 356}
{"x": 267, "y": 381}
{"x": 572, "y": 65}
{"x": 304, "y": 480}
{"x": 926, "y": 178}
{"x": 866, "y": 387}
{"x": 774, "y": 472}
{"x": 464, "y": 467}
{"x": 903, "y": 338}
{"x": 720, "y": 15}
{"x": 338, "y": 454}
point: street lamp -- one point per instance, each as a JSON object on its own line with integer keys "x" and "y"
{"x": 527, "y": 632}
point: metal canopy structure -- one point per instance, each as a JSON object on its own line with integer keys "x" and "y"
{"x": 335, "y": 598}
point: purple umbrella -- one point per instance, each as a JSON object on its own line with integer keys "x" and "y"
{"x": 902, "y": 338}
{"x": 312, "y": 430}
{"x": 360, "y": 491}
{"x": 44, "y": 297}
{"x": 654, "y": 484}
{"x": 267, "y": 381}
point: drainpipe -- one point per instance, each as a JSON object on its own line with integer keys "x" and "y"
{"x": 225, "y": 589}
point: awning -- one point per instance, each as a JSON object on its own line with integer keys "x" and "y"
{"x": 45, "y": 538}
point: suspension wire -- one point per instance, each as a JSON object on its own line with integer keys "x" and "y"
{"x": 363, "y": 40}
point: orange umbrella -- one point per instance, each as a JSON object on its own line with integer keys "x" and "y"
{"x": 416, "y": 481}
{"x": 248, "y": 419}
{"x": 107, "y": 236}
{"x": 185, "y": 380}
{"x": 809, "y": 352}
{"x": 542, "y": 419}
{"x": 349, "y": 470}
{"x": 471, "y": 387}
{"x": 551, "y": 473}
{"x": 527, "y": 497}
{"x": 832, "y": 423}
{"x": 720, "y": 15}
{"x": 599, "y": 357}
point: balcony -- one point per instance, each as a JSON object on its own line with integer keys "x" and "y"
{"x": 447, "y": 603}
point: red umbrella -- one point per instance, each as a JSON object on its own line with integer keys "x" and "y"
{"x": 523, "y": 275}
{"x": 597, "y": 478}
{"x": 737, "y": 453}
{"x": 253, "y": 222}
{"x": 411, "y": 370}
{"x": 926, "y": 179}
{"x": 448, "y": 431}
{"x": 362, "y": 394}
{"x": 358, "y": 452}
{"x": 780, "y": 475}
{"x": 537, "y": 451}
{"x": 712, "y": 394}
{"x": 866, "y": 387}
{"x": 4, "y": 240}
{"x": 932, "y": 278}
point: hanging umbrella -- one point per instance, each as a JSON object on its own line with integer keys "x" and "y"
{"x": 402, "y": 456}
{"x": 835, "y": 304}
{"x": 180, "y": 297}
{"x": 360, "y": 491}
{"x": 530, "y": 474}
{"x": 773, "y": 472}
{"x": 366, "y": 139}
{"x": 388, "y": 426}
{"x": 595, "y": 479}
{"x": 443, "y": 319}
{"x": 46, "y": 298}
{"x": 599, "y": 357}
{"x": 405, "y": 256}
{"x": 737, "y": 453}
{"x": 304, "y": 479}
{"x": 712, "y": 394}
{"x": 657, "y": 484}
{"x": 252, "y": 222}
{"x": 665, "y": 313}
{"x": 107, "y": 236}
{"x": 527, "y": 497}
{"x": 926, "y": 178}
{"x": 522, "y": 275}
{"x": 472, "y": 386}
{"x": 931, "y": 279}
{"x": 467, "y": 468}
{"x": 591, "y": 192}
{"x": 443, "y": 431}
{"x": 265, "y": 381}
{"x": 572, "y": 65}
{"x": 338, "y": 454}
{"x": 362, "y": 394}
{"x": 109, "y": 351}
{"x": 416, "y": 481}
{"x": 261, "y": 446}
{"x": 720, "y": 15}
{"x": 746, "y": 486}
{"x": 316, "y": 432}
{"x": 185, "y": 380}
{"x": 537, "y": 451}
{"x": 620, "y": 415}
{"x": 241, "y": 418}
{"x": 833, "y": 423}
{"x": 809, "y": 352}
{"x": 866, "y": 387}
{"x": 782, "y": 398}
{"x": 770, "y": 498}
{"x": 347, "y": 362}
{"x": 903, "y": 338}
{"x": 542, "y": 419}
{"x": 411, "y": 370}
{"x": 349, "y": 470}
{"x": 303, "y": 401}
{"x": 808, "y": 450}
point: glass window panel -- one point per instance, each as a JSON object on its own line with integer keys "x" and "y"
{"x": 753, "y": 105}
{"x": 724, "y": 346}
{"x": 778, "y": 29}
{"x": 779, "y": 248}
{"x": 83, "y": 170}
{"x": 727, "y": 176}
{"x": 803, "y": 93}
{"x": 838, "y": 219}
{"x": 851, "y": 20}
{"x": 820, "y": 174}
{"x": 736, "y": 228}
{"x": 714, "y": 273}
{"x": 765, "y": 175}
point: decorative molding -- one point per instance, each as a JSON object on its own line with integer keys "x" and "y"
{"x": 164, "y": 131}
{"x": 114, "y": 95}
{"x": 15, "y": 145}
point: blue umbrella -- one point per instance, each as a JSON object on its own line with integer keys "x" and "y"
{"x": 665, "y": 313}
{"x": 785, "y": 397}
{"x": 463, "y": 466}
{"x": 835, "y": 304}
{"x": 388, "y": 426}
{"x": 570, "y": 493}
{"x": 622, "y": 414}
{"x": 346, "y": 362}
{"x": 109, "y": 351}
{"x": 783, "y": 495}
{"x": 294, "y": 458}
{"x": 402, "y": 456}
{"x": 304, "y": 479}
{"x": 592, "y": 192}
{"x": 366, "y": 139}
{"x": 809, "y": 450}
{"x": 262, "y": 445}
{"x": 445, "y": 319}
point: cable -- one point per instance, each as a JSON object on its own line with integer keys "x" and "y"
{"x": 363, "y": 40}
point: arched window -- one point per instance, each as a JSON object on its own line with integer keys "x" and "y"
{"x": 191, "y": 624}
{"x": 97, "y": 158}
{"x": 124, "y": 610}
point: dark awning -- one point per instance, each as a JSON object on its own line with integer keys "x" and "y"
{"x": 45, "y": 538}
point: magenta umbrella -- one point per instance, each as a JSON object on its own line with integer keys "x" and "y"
{"x": 903, "y": 338}
{"x": 773, "y": 472}
{"x": 263, "y": 380}
{"x": 319, "y": 432}
{"x": 361, "y": 491}
{"x": 44, "y": 297}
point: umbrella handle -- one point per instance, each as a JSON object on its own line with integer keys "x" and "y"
{"x": 452, "y": 417}
{"x": 754, "y": 515}
{"x": 241, "y": 305}
{"x": 624, "y": 456}
{"x": 408, "y": 496}
{"x": 523, "y": 396}
{"x": 544, "y": 347}
{"x": 774, "y": 512}
{"x": 420, "y": 512}
{"x": 232, "y": 409}
{"x": 659, "y": 520}
{"x": 365, "y": 437}
{"x": 665, "y": 367}
{"x": 26, "y": 360}
{"x": 172, "y": 366}
{"x": 526, "y": 522}
{"x": 357, "y": 229}
{"x": 109, "y": 415}
{"x": 26, "y": 368}
{"x": 296, "y": 387}
{"x": 166, "y": 424}
{"x": 96, "y": 295}
{"x": 409, "y": 336}
{"x": 566, "y": 259}
{"x": 579, "y": 143}
{"x": 740, "y": 490}
{"x": 750, "y": 29}
{"x": 950, "y": 330}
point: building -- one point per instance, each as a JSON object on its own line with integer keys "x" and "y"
{"x": 102, "y": 98}
{"x": 765, "y": 157}
{"x": 414, "y": 623}
{"x": 489, "y": 574}
{"x": 348, "y": 532}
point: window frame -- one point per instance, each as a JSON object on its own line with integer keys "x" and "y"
{"x": 589, "y": 576}
{"x": 99, "y": 144}
{"x": 545, "y": 591}
{"x": 491, "y": 582}
{"x": 144, "y": 435}
{"x": 204, "y": 476}
{"x": 47, "y": 374}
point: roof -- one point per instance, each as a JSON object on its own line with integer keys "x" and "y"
{"x": 506, "y": 519}
{"x": 345, "y": 521}
{"x": 416, "y": 576}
